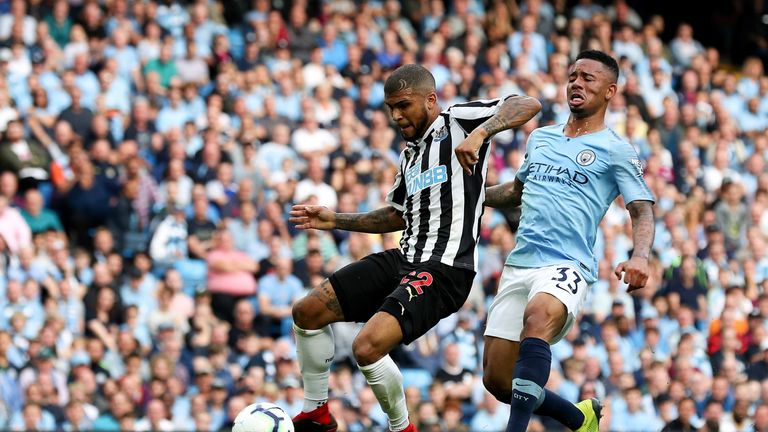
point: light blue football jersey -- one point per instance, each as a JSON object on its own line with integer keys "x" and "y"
{"x": 569, "y": 185}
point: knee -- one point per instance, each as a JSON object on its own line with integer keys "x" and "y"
{"x": 499, "y": 388}
{"x": 365, "y": 350}
{"x": 306, "y": 314}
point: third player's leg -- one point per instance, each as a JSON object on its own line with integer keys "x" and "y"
{"x": 318, "y": 308}
{"x": 499, "y": 358}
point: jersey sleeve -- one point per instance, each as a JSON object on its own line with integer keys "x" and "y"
{"x": 396, "y": 195}
{"x": 470, "y": 115}
{"x": 628, "y": 172}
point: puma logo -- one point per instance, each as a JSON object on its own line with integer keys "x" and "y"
{"x": 411, "y": 295}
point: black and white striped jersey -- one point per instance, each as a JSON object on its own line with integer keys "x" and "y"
{"x": 441, "y": 204}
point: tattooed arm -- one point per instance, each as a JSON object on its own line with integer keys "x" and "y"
{"x": 387, "y": 219}
{"x": 509, "y": 194}
{"x": 636, "y": 269}
{"x": 514, "y": 111}
{"x": 643, "y": 229}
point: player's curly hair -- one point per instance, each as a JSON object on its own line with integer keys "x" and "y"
{"x": 603, "y": 58}
{"x": 410, "y": 76}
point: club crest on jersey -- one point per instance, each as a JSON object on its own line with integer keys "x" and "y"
{"x": 440, "y": 134}
{"x": 585, "y": 157}
{"x": 638, "y": 164}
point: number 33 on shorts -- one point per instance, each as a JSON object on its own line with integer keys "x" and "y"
{"x": 567, "y": 279}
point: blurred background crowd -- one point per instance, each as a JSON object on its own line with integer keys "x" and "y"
{"x": 151, "y": 150}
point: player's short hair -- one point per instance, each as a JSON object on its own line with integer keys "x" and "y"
{"x": 410, "y": 76}
{"x": 603, "y": 58}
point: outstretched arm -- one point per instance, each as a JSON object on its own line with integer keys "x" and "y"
{"x": 636, "y": 269}
{"x": 387, "y": 219}
{"x": 513, "y": 112}
{"x": 643, "y": 229}
{"x": 509, "y": 194}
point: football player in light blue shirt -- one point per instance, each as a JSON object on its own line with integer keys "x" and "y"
{"x": 571, "y": 174}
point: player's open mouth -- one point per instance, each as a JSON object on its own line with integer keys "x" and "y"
{"x": 403, "y": 129}
{"x": 577, "y": 99}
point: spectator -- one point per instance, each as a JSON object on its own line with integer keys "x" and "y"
{"x": 277, "y": 294}
{"x": 230, "y": 275}
{"x": 314, "y": 186}
{"x": 39, "y": 218}
{"x": 684, "y": 47}
{"x": 169, "y": 242}
{"x": 156, "y": 419}
{"x": 14, "y": 230}
{"x": 492, "y": 415}
{"x": 27, "y": 158}
{"x": 164, "y": 66}
{"x": 633, "y": 416}
{"x": 120, "y": 406}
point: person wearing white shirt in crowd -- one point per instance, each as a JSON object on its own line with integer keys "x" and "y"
{"x": 314, "y": 185}
{"x": 314, "y": 71}
{"x": 310, "y": 140}
{"x": 18, "y": 13}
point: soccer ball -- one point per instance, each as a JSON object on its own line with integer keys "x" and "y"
{"x": 262, "y": 417}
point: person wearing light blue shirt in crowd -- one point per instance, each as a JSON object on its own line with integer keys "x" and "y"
{"x": 139, "y": 291}
{"x": 632, "y": 417}
{"x": 126, "y": 55}
{"x": 731, "y": 99}
{"x": 10, "y": 393}
{"x": 538, "y": 45}
{"x": 32, "y": 417}
{"x": 173, "y": 115}
{"x": 492, "y": 415}
{"x": 272, "y": 155}
{"x": 204, "y": 28}
{"x": 193, "y": 102}
{"x": 116, "y": 91}
{"x": 334, "y": 50}
{"x": 171, "y": 16}
{"x": 244, "y": 227}
{"x": 288, "y": 101}
{"x": 86, "y": 81}
{"x": 277, "y": 293}
{"x": 751, "y": 119}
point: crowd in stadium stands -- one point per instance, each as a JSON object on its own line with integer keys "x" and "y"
{"x": 151, "y": 150}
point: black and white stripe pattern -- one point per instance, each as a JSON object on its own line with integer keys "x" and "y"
{"x": 442, "y": 220}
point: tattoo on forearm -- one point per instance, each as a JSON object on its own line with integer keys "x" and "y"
{"x": 377, "y": 221}
{"x": 514, "y": 112}
{"x": 641, "y": 213}
{"x": 504, "y": 195}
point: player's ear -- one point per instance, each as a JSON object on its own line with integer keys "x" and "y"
{"x": 431, "y": 100}
{"x": 610, "y": 92}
